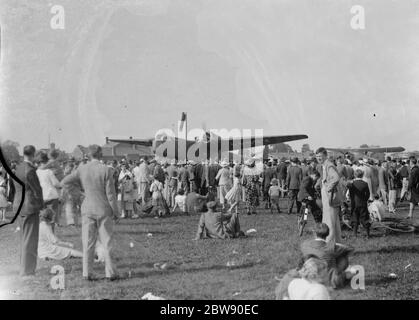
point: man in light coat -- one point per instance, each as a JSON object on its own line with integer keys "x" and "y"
{"x": 332, "y": 196}
{"x": 143, "y": 180}
{"x": 99, "y": 210}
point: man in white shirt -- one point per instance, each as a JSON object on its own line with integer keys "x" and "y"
{"x": 49, "y": 184}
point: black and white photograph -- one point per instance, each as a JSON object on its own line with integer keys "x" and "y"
{"x": 213, "y": 150}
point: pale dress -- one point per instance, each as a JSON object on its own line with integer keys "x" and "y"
{"x": 235, "y": 193}
{"x": 301, "y": 289}
{"x": 48, "y": 244}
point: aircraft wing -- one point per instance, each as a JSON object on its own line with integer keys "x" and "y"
{"x": 235, "y": 143}
{"x": 380, "y": 149}
{"x": 140, "y": 142}
{"x": 373, "y": 149}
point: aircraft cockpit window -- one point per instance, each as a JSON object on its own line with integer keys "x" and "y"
{"x": 162, "y": 137}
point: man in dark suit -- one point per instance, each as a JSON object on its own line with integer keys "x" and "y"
{"x": 195, "y": 203}
{"x": 349, "y": 170}
{"x": 307, "y": 194}
{"x": 29, "y": 224}
{"x": 413, "y": 186}
{"x": 282, "y": 175}
{"x": 294, "y": 177}
{"x": 198, "y": 175}
{"x": 359, "y": 194}
{"x": 212, "y": 173}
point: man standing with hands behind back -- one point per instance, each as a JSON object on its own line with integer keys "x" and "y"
{"x": 332, "y": 195}
{"x": 294, "y": 178}
{"x": 33, "y": 203}
{"x": 99, "y": 209}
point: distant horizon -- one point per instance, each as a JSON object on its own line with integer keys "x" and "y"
{"x": 289, "y": 67}
{"x": 313, "y": 149}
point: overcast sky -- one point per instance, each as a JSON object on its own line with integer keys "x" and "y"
{"x": 287, "y": 67}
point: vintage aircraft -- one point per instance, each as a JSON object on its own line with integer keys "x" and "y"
{"x": 205, "y": 147}
{"x": 377, "y": 153}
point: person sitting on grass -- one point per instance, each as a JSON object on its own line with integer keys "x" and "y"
{"x": 311, "y": 284}
{"x": 335, "y": 255}
{"x": 49, "y": 246}
{"x": 218, "y": 225}
{"x": 180, "y": 202}
{"x": 195, "y": 203}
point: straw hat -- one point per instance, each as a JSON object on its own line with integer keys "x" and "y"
{"x": 250, "y": 162}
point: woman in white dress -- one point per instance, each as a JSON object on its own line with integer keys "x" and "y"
{"x": 234, "y": 195}
{"x": 50, "y": 186}
{"x": 49, "y": 246}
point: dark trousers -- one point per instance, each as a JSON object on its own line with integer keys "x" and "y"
{"x": 266, "y": 197}
{"x": 292, "y": 197}
{"x": 360, "y": 215}
{"x": 29, "y": 230}
{"x": 315, "y": 210}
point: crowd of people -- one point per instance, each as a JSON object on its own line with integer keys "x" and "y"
{"x": 96, "y": 193}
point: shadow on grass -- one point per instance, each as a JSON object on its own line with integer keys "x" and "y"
{"x": 377, "y": 281}
{"x": 174, "y": 270}
{"x": 136, "y": 233}
{"x": 390, "y": 249}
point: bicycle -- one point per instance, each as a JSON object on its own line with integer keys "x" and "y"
{"x": 397, "y": 225}
{"x": 307, "y": 206}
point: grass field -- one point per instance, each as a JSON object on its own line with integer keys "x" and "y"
{"x": 198, "y": 269}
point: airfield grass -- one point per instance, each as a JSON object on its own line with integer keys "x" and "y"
{"x": 198, "y": 269}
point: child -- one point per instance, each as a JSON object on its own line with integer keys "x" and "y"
{"x": 274, "y": 192}
{"x": 377, "y": 209}
{"x": 3, "y": 197}
{"x": 180, "y": 201}
{"x": 157, "y": 199}
{"x": 127, "y": 188}
{"x": 49, "y": 246}
{"x": 234, "y": 195}
{"x": 360, "y": 195}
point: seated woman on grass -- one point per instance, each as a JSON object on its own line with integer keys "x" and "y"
{"x": 49, "y": 246}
